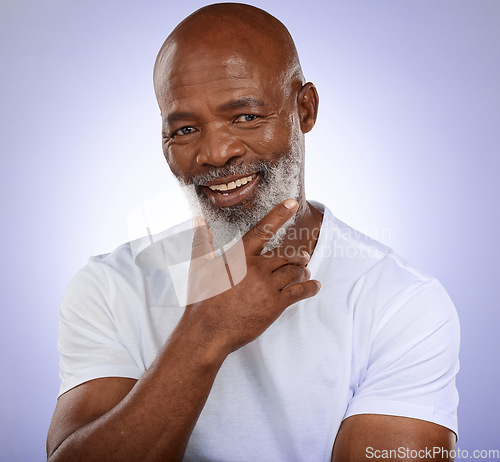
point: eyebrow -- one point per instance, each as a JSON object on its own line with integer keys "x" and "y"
{"x": 176, "y": 116}
{"x": 238, "y": 103}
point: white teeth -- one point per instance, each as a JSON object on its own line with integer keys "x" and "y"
{"x": 232, "y": 185}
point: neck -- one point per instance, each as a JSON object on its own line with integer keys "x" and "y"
{"x": 303, "y": 235}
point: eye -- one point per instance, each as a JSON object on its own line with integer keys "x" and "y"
{"x": 183, "y": 131}
{"x": 246, "y": 118}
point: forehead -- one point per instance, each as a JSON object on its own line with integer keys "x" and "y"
{"x": 206, "y": 74}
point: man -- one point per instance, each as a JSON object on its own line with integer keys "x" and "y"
{"x": 260, "y": 365}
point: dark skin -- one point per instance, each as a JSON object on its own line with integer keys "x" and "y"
{"x": 152, "y": 419}
{"x": 220, "y": 106}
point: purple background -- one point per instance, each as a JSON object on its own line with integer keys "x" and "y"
{"x": 405, "y": 149}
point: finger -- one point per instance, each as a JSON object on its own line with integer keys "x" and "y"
{"x": 287, "y": 256}
{"x": 300, "y": 291}
{"x": 202, "y": 248}
{"x": 291, "y": 274}
{"x": 256, "y": 239}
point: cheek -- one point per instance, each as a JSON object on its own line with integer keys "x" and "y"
{"x": 270, "y": 135}
{"x": 176, "y": 160}
{"x": 275, "y": 138}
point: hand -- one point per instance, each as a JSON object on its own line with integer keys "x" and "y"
{"x": 261, "y": 287}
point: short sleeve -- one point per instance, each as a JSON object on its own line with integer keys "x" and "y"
{"x": 413, "y": 359}
{"x": 89, "y": 344}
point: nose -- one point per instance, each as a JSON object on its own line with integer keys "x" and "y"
{"x": 218, "y": 146}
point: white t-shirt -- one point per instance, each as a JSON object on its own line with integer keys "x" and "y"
{"x": 380, "y": 337}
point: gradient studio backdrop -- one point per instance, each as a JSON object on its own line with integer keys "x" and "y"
{"x": 405, "y": 149}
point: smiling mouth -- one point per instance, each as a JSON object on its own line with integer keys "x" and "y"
{"x": 232, "y": 185}
{"x": 231, "y": 191}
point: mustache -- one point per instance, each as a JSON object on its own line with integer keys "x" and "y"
{"x": 217, "y": 173}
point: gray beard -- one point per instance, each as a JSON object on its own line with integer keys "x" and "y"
{"x": 277, "y": 182}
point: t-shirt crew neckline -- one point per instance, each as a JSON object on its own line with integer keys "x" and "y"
{"x": 316, "y": 255}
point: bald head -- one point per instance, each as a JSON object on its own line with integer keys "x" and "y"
{"x": 230, "y": 29}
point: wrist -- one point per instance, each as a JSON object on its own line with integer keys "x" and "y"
{"x": 196, "y": 335}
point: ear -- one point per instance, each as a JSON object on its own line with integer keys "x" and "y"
{"x": 307, "y": 103}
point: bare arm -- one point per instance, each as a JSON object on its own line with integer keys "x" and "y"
{"x": 371, "y": 437}
{"x": 152, "y": 419}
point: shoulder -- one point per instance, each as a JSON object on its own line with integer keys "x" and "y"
{"x": 137, "y": 270}
{"x": 352, "y": 257}
{"x": 145, "y": 255}
{"x": 374, "y": 281}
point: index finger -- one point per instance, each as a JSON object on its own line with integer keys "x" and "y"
{"x": 256, "y": 239}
